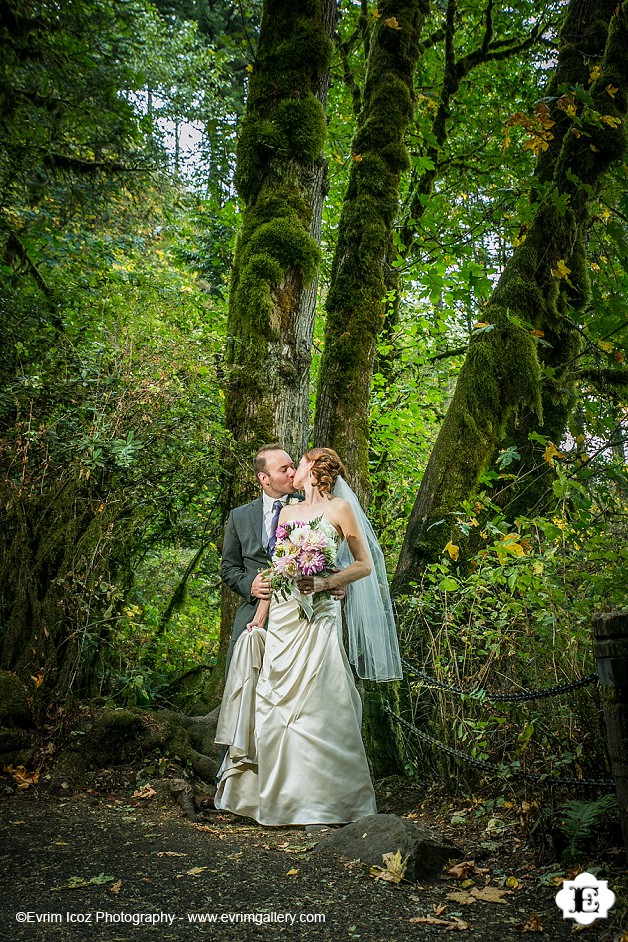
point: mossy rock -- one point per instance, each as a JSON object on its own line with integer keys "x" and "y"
{"x": 15, "y": 708}
{"x": 12, "y": 740}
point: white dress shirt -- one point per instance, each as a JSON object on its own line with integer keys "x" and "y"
{"x": 268, "y": 512}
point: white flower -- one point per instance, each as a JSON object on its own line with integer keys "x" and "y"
{"x": 299, "y": 535}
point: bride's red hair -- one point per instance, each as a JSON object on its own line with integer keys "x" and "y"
{"x": 327, "y": 466}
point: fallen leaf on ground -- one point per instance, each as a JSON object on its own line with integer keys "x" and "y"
{"x": 146, "y": 791}
{"x": 533, "y": 924}
{"x": 452, "y": 923}
{"x": 395, "y": 868}
{"x": 116, "y": 887}
{"x": 170, "y": 853}
{"x": 292, "y": 873}
{"x": 490, "y": 894}
{"x": 194, "y": 872}
{"x": 20, "y": 775}
{"x": 462, "y": 869}
{"x": 461, "y": 896}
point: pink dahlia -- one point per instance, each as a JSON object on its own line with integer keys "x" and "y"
{"x": 311, "y": 562}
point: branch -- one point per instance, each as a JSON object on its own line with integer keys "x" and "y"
{"x": 15, "y": 244}
{"x": 437, "y": 36}
{"x": 344, "y": 48}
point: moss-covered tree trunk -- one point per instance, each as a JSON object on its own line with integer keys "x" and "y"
{"x": 280, "y": 178}
{"x": 356, "y": 299}
{"x": 503, "y": 370}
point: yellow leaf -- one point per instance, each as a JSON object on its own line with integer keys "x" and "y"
{"x": 194, "y": 872}
{"x": 292, "y": 873}
{"x": 611, "y": 121}
{"x": 567, "y": 104}
{"x": 116, "y": 887}
{"x": 561, "y": 270}
{"x": 537, "y": 333}
{"x": 490, "y": 894}
{"x": 249, "y": 67}
{"x": 595, "y": 73}
{"x": 606, "y": 345}
{"x": 39, "y": 678}
{"x": 453, "y": 550}
{"x": 395, "y": 868}
{"x": 512, "y": 882}
{"x": 23, "y": 778}
{"x": 376, "y": 14}
{"x": 356, "y": 157}
{"x": 392, "y": 22}
{"x": 618, "y": 357}
{"x": 595, "y": 149}
{"x": 480, "y": 325}
{"x": 517, "y": 241}
{"x": 612, "y": 91}
{"x": 550, "y": 453}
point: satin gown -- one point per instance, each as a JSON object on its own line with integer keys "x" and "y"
{"x": 292, "y": 717}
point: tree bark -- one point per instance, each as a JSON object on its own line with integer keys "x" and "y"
{"x": 355, "y": 304}
{"x": 503, "y": 370}
{"x": 280, "y": 177}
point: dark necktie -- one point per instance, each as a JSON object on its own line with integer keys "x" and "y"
{"x": 272, "y": 536}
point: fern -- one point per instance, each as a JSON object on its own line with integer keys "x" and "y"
{"x": 580, "y": 819}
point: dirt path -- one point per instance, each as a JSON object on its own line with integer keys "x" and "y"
{"x": 91, "y": 864}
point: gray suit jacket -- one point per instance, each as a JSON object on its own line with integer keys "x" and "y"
{"x": 243, "y": 555}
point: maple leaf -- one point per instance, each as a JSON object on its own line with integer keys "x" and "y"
{"x": 490, "y": 894}
{"x": 453, "y": 550}
{"x": 392, "y": 22}
{"x": 567, "y": 104}
{"x": 23, "y": 778}
{"x": 146, "y": 791}
{"x": 550, "y": 453}
{"x": 595, "y": 73}
{"x": 461, "y": 870}
{"x": 561, "y": 270}
{"x": 610, "y": 120}
{"x": 533, "y": 924}
{"x": 116, "y": 887}
{"x": 395, "y": 868}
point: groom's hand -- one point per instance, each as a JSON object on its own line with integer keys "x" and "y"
{"x": 260, "y": 588}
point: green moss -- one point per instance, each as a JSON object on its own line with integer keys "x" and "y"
{"x": 302, "y": 127}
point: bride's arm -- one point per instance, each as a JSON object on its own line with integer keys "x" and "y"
{"x": 358, "y": 569}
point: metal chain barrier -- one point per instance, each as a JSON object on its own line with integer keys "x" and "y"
{"x": 503, "y": 697}
{"x": 493, "y": 766}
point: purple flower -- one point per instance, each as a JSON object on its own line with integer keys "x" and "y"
{"x": 281, "y": 531}
{"x": 311, "y": 562}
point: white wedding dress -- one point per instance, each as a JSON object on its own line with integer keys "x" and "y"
{"x": 291, "y": 716}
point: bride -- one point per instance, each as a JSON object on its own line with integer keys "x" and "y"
{"x": 291, "y": 714}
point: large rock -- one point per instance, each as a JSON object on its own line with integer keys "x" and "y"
{"x": 368, "y": 839}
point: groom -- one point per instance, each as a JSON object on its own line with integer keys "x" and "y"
{"x": 248, "y": 532}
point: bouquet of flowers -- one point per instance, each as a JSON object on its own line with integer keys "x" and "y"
{"x": 302, "y": 549}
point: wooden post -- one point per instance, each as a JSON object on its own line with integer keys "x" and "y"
{"x": 610, "y": 630}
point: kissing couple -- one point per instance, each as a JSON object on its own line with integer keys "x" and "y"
{"x": 291, "y": 714}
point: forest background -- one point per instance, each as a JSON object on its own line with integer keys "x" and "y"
{"x": 396, "y": 230}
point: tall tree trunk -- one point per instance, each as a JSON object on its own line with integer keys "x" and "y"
{"x": 355, "y": 304}
{"x": 281, "y": 180}
{"x": 502, "y": 372}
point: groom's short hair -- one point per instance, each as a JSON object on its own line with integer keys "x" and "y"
{"x": 259, "y": 461}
